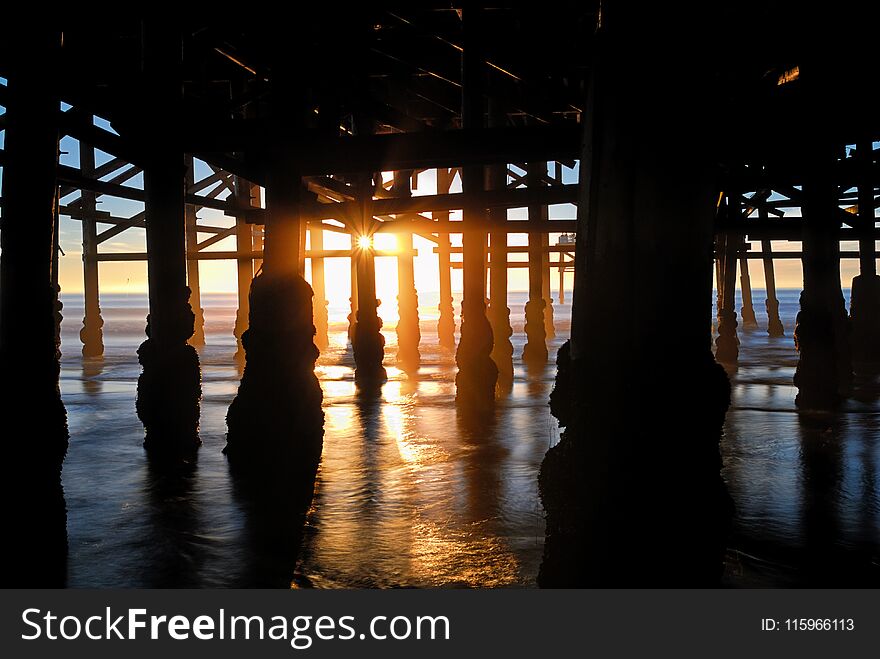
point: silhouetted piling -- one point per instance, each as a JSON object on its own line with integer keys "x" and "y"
{"x": 277, "y": 411}
{"x": 624, "y": 505}
{"x": 408, "y": 332}
{"x": 727, "y": 343}
{"x": 561, "y": 396}
{"x": 319, "y": 287}
{"x": 91, "y": 335}
{"x": 353, "y": 298}
{"x": 244, "y": 266}
{"x": 745, "y": 284}
{"x": 446, "y": 319}
{"x": 535, "y": 349}
{"x": 368, "y": 344}
{"x": 34, "y": 546}
{"x": 192, "y": 264}
{"x": 275, "y": 423}
{"x": 824, "y": 371}
{"x": 477, "y": 373}
{"x": 549, "y": 327}
{"x": 774, "y": 324}
{"x": 865, "y": 296}
{"x": 499, "y": 312}
{"x": 169, "y": 385}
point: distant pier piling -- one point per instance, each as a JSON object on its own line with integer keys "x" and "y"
{"x": 535, "y": 349}
{"x": 477, "y": 373}
{"x": 169, "y": 387}
{"x": 499, "y": 312}
{"x": 865, "y": 295}
{"x": 91, "y": 335}
{"x": 244, "y": 264}
{"x": 319, "y": 287}
{"x": 192, "y": 264}
{"x": 745, "y": 283}
{"x": 774, "y": 324}
{"x": 408, "y": 333}
{"x": 727, "y": 343}
{"x": 446, "y": 320}
{"x": 824, "y": 371}
{"x": 368, "y": 344}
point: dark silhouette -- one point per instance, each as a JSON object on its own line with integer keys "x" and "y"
{"x": 633, "y": 491}
{"x": 694, "y": 145}
{"x": 561, "y": 396}
{"x": 169, "y": 389}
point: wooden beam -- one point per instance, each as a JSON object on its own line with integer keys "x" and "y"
{"x": 226, "y": 233}
{"x": 392, "y": 151}
{"x": 521, "y": 249}
{"x": 519, "y": 198}
{"x": 72, "y": 176}
{"x": 98, "y": 137}
{"x": 100, "y": 172}
{"x": 222, "y": 256}
{"x": 135, "y": 221}
{"x": 218, "y": 176}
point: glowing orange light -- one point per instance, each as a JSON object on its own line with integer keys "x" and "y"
{"x": 364, "y": 242}
{"x": 789, "y": 76}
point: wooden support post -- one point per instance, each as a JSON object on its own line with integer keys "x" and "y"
{"x": 867, "y": 210}
{"x": 91, "y": 335}
{"x": 774, "y": 324}
{"x": 499, "y": 312}
{"x": 549, "y": 327}
{"x": 865, "y": 296}
{"x": 727, "y": 343}
{"x": 368, "y": 343}
{"x": 824, "y": 371}
{"x": 35, "y": 540}
{"x": 353, "y": 299}
{"x": 56, "y": 263}
{"x": 561, "y": 279}
{"x": 244, "y": 194}
{"x": 319, "y": 302}
{"x": 606, "y": 482}
{"x": 745, "y": 284}
{"x": 477, "y": 373}
{"x": 192, "y": 265}
{"x": 446, "y": 321}
{"x": 719, "y": 276}
{"x": 408, "y": 333}
{"x": 169, "y": 386}
{"x": 535, "y": 349}
{"x": 258, "y": 233}
{"x": 275, "y": 422}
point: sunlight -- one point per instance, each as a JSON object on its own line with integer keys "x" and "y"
{"x": 365, "y": 242}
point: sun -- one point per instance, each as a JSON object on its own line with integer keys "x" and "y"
{"x": 364, "y": 242}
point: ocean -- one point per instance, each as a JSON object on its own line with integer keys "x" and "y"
{"x": 408, "y": 497}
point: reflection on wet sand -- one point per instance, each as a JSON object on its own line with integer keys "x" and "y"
{"x": 411, "y": 493}
{"x": 409, "y": 496}
{"x": 173, "y": 554}
{"x": 92, "y": 368}
{"x": 808, "y": 508}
